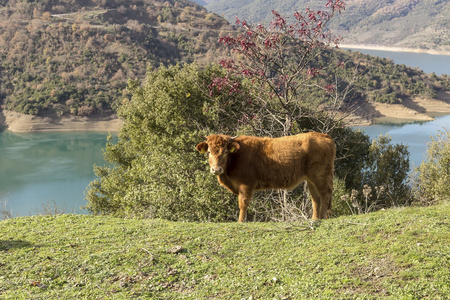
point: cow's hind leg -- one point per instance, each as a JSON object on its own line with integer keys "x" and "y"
{"x": 321, "y": 199}
{"x": 315, "y": 196}
{"x": 326, "y": 197}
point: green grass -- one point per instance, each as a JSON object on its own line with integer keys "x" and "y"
{"x": 391, "y": 254}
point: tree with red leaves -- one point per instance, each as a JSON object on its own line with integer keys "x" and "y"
{"x": 282, "y": 66}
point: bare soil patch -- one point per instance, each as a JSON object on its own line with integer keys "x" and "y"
{"x": 17, "y": 122}
{"x": 410, "y": 110}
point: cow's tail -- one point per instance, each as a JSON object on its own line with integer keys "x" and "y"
{"x": 333, "y": 151}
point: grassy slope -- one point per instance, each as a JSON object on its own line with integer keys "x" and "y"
{"x": 396, "y": 254}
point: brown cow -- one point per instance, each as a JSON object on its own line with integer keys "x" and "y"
{"x": 246, "y": 164}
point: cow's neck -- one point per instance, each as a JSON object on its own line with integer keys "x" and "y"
{"x": 224, "y": 179}
{"x": 226, "y": 182}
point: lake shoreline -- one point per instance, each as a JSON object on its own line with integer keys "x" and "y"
{"x": 394, "y": 49}
{"x": 415, "y": 109}
{"x": 21, "y": 123}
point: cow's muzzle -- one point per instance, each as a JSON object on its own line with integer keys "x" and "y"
{"x": 216, "y": 170}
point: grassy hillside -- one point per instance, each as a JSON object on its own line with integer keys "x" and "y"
{"x": 391, "y": 254}
{"x": 414, "y": 24}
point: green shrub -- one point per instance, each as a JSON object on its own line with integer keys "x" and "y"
{"x": 387, "y": 169}
{"x": 155, "y": 170}
{"x": 371, "y": 176}
{"x": 432, "y": 177}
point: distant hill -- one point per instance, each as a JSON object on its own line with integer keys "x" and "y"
{"x": 422, "y": 24}
{"x": 75, "y": 57}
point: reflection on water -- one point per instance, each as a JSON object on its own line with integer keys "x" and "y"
{"x": 37, "y": 168}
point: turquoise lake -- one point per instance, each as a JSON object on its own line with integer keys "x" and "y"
{"x": 42, "y": 168}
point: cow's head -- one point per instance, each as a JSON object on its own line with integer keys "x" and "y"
{"x": 218, "y": 148}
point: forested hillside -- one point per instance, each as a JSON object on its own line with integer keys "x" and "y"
{"x": 75, "y": 57}
{"x": 380, "y": 80}
{"x": 419, "y": 24}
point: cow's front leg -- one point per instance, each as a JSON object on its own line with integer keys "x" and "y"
{"x": 245, "y": 196}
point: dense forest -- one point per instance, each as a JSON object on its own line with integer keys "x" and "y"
{"x": 75, "y": 57}
{"x": 412, "y": 24}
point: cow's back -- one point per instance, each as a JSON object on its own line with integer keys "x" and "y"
{"x": 273, "y": 163}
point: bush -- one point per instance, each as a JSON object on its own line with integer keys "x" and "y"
{"x": 432, "y": 177}
{"x": 371, "y": 176}
{"x": 155, "y": 170}
{"x": 387, "y": 170}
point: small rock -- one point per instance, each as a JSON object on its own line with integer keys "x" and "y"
{"x": 171, "y": 271}
{"x": 175, "y": 249}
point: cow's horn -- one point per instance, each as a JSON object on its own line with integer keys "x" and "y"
{"x": 232, "y": 138}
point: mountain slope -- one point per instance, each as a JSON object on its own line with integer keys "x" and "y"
{"x": 75, "y": 57}
{"x": 419, "y": 24}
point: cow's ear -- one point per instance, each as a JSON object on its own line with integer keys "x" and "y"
{"x": 233, "y": 147}
{"x": 202, "y": 147}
